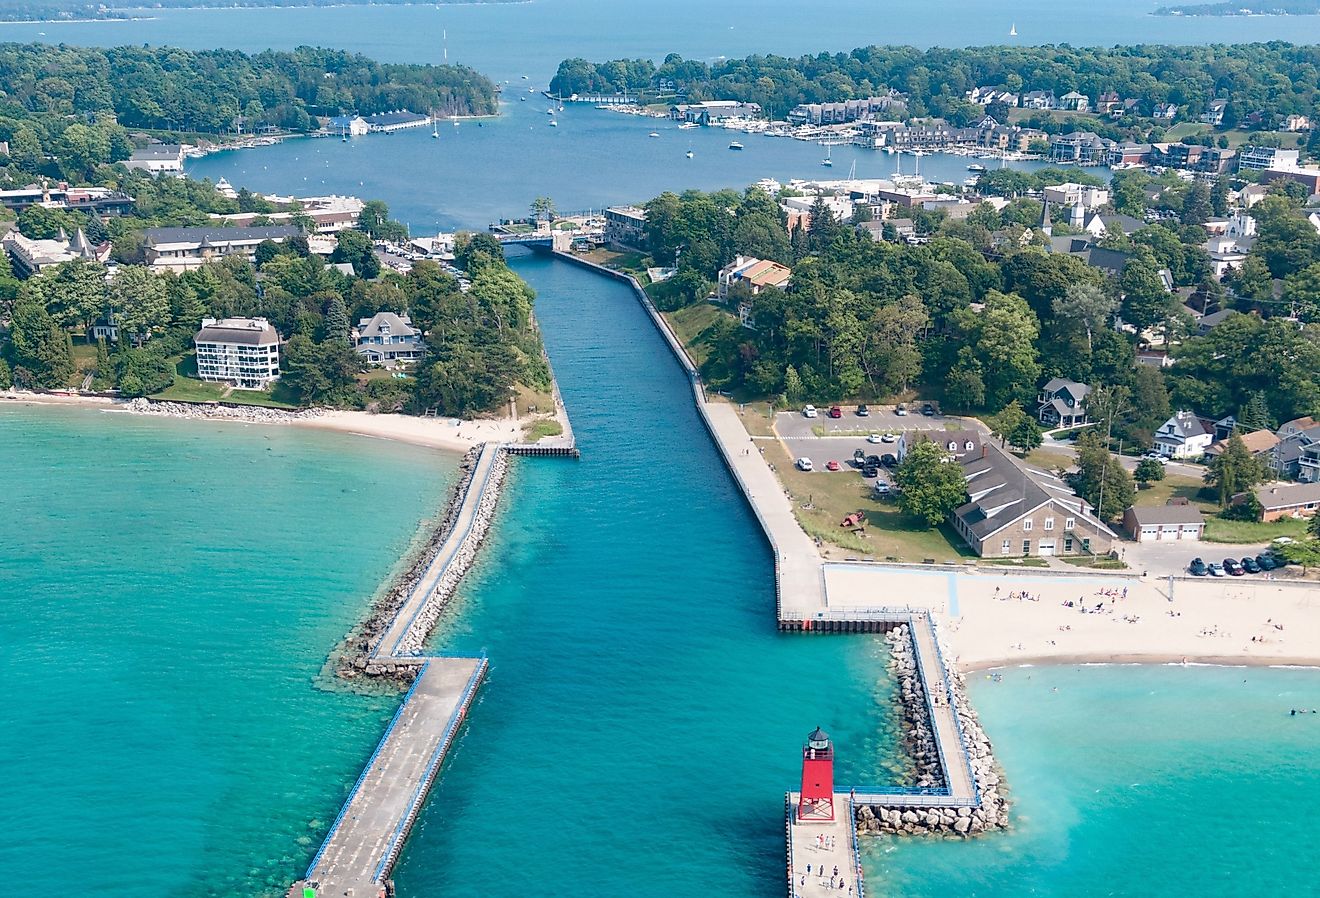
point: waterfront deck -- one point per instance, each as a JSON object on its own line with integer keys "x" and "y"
{"x": 817, "y": 849}
{"x": 391, "y": 645}
{"x": 364, "y": 842}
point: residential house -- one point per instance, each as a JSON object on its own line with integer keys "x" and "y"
{"x": 1108, "y": 102}
{"x": 1299, "y": 441}
{"x": 1225, "y": 253}
{"x": 181, "y": 249}
{"x": 29, "y": 257}
{"x": 1174, "y": 522}
{"x": 625, "y": 226}
{"x": 1296, "y": 123}
{"x": 157, "y": 158}
{"x": 1287, "y": 500}
{"x": 904, "y": 229}
{"x": 1098, "y": 224}
{"x": 1062, "y": 403}
{"x": 1267, "y": 157}
{"x": 388, "y": 339}
{"x": 1184, "y": 436}
{"x": 241, "y": 351}
{"x": 1075, "y": 102}
{"x": 1207, "y": 323}
{"x": 1070, "y": 194}
{"x": 1039, "y": 99}
{"x": 993, "y": 96}
{"x": 1165, "y": 111}
{"x": 757, "y": 275}
{"x": 1259, "y": 443}
{"x": 1013, "y": 510}
{"x": 1214, "y": 112}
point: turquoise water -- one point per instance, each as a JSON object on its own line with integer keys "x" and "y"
{"x": 168, "y": 594}
{"x": 1136, "y": 781}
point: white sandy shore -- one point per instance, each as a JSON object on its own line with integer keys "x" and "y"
{"x": 449, "y": 434}
{"x": 1247, "y": 620}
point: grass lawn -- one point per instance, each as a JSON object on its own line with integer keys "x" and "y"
{"x": 1098, "y": 562}
{"x": 1183, "y": 130}
{"x": 758, "y": 417}
{"x": 186, "y": 389}
{"x": 530, "y": 402}
{"x": 539, "y": 430}
{"x": 691, "y": 323}
{"x": 634, "y": 262}
{"x": 890, "y": 534}
{"x": 1177, "y": 486}
{"x": 1051, "y": 459}
{"x": 1218, "y": 530}
{"x": 1029, "y": 561}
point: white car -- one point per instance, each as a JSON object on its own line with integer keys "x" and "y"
{"x": 1155, "y": 456}
{"x": 880, "y": 488}
{"x": 875, "y": 438}
{"x": 889, "y": 438}
{"x": 809, "y": 411}
{"x": 803, "y": 464}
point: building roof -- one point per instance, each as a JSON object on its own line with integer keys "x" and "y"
{"x": 157, "y": 236}
{"x": 1182, "y": 426}
{"x": 1274, "y": 496}
{"x": 247, "y": 331}
{"x": 767, "y": 274}
{"x": 160, "y": 151}
{"x": 1256, "y": 442}
{"x": 402, "y": 117}
{"x": 1055, "y": 384}
{"x": 1166, "y": 514}
{"x": 1001, "y": 490}
{"x": 386, "y": 322}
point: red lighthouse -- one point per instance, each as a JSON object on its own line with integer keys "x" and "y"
{"x": 816, "y": 800}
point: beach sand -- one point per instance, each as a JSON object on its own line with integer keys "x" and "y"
{"x": 448, "y": 434}
{"x": 1238, "y": 620}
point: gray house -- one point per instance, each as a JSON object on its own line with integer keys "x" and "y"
{"x": 388, "y": 339}
{"x": 1062, "y": 403}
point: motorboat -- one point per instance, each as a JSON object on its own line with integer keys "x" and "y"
{"x": 735, "y": 146}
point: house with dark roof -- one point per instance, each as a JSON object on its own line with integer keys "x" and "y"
{"x": 1184, "y": 436}
{"x": 180, "y": 249}
{"x": 398, "y": 120}
{"x": 1062, "y": 403}
{"x": 1014, "y": 510}
{"x": 1297, "y": 454}
{"x": 1098, "y": 224}
{"x": 388, "y": 339}
{"x": 242, "y": 351}
{"x": 1177, "y": 521}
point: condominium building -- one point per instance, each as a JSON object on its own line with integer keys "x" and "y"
{"x": 241, "y": 351}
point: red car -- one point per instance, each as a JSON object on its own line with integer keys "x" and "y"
{"x": 836, "y": 412}
{"x": 831, "y": 466}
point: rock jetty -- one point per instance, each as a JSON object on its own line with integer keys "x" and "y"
{"x": 927, "y": 772}
{"x": 141, "y": 406}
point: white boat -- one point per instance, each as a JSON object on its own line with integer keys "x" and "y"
{"x": 435, "y": 127}
{"x": 1012, "y": 32}
{"x": 688, "y": 126}
{"x": 827, "y": 161}
{"x": 976, "y": 166}
{"x": 654, "y": 134}
{"x": 735, "y": 146}
{"x": 689, "y": 154}
{"x": 971, "y": 182}
{"x": 554, "y": 124}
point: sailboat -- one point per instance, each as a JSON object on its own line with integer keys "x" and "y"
{"x": 435, "y": 127}
{"x": 1012, "y": 32}
{"x": 689, "y": 153}
{"x": 827, "y": 161}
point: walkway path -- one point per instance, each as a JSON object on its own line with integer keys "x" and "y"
{"x": 817, "y": 849}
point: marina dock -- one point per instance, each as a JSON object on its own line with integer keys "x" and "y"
{"x": 364, "y": 841}
{"x": 816, "y": 849}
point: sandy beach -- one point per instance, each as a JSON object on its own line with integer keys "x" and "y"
{"x": 991, "y": 619}
{"x": 448, "y": 434}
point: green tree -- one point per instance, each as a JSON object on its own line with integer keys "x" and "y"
{"x": 1255, "y": 414}
{"x": 105, "y": 373}
{"x": 1100, "y": 479}
{"x": 1235, "y": 470}
{"x": 1146, "y": 302}
{"x": 335, "y": 324}
{"x": 355, "y": 248}
{"x": 1304, "y": 552}
{"x": 543, "y": 207}
{"x": 1025, "y": 436}
{"x": 141, "y": 302}
{"x": 1087, "y": 305}
{"x": 39, "y": 346}
{"x": 1148, "y": 471}
{"x": 1007, "y": 420}
{"x": 793, "y": 388}
{"x": 932, "y": 484}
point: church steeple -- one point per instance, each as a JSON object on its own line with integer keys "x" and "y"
{"x": 1046, "y": 227}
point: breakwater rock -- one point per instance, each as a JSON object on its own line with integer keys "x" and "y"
{"x": 927, "y": 772}
{"x": 141, "y": 406}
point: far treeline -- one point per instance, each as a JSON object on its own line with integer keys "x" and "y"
{"x": 51, "y": 88}
{"x": 1276, "y": 77}
{"x": 64, "y": 10}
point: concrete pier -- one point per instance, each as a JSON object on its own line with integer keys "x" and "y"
{"x": 364, "y": 842}
{"x": 817, "y": 849}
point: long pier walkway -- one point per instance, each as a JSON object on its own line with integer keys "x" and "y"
{"x": 364, "y": 842}
{"x": 823, "y": 854}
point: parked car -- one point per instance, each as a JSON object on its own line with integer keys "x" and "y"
{"x": 928, "y": 410}
{"x": 1233, "y": 568}
{"x": 831, "y": 466}
{"x": 874, "y": 438}
{"x": 1249, "y": 565}
{"x": 880, "y": 489}
{"x": 889, "y": 460}
{"x": 1197, "y": 568}
{"x": 859, "y": 458}
{"x": 900, "y": 409}
{"x": 809, "y": 411}
{"x": 836, "y": 412}
{"x": 889, "y": 438}
{"x": 1214, "y": 570}
{"x": 863, "y": 411}
{"x": 803, "y": 464}
{"x": 870, "y": 471}
{"x": 1155, "y": 456}
{"x": 873, "y": 460}
{"x": 1266, "y": 561}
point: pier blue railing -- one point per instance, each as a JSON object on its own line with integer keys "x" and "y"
{"x": 953, "y": 706}
{"x": 858, "y": 876}
{"x": 428, "y": 778}
{"x": 334, "y": 827}
{"x": 412, "y": 619}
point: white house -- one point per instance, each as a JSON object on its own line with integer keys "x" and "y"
{"x": 1184, "y": 436}
{"x": 1214, "y": 112}
{"x": 241, "y": 351}
{"x": 158, "y": 158}
{"x": 388, "y": 339}
{"x": 1070, "y": 194}
{"x": 348, "y": 125}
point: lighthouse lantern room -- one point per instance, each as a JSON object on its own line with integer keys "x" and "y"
{"x": 816, "y": 800}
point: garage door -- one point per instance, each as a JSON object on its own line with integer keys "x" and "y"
{"x": 1192, "y": 533}
{"x": 1047, "y": 547}
{"x": 1149, "y": 534}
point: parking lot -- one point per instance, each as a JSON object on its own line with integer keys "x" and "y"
{"x": 1161, "y": 559}
{"x": 793, "y": 424}
{"x": 823, "y": 450}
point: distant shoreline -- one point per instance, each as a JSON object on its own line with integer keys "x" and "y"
{"x": 219, "y": 7}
